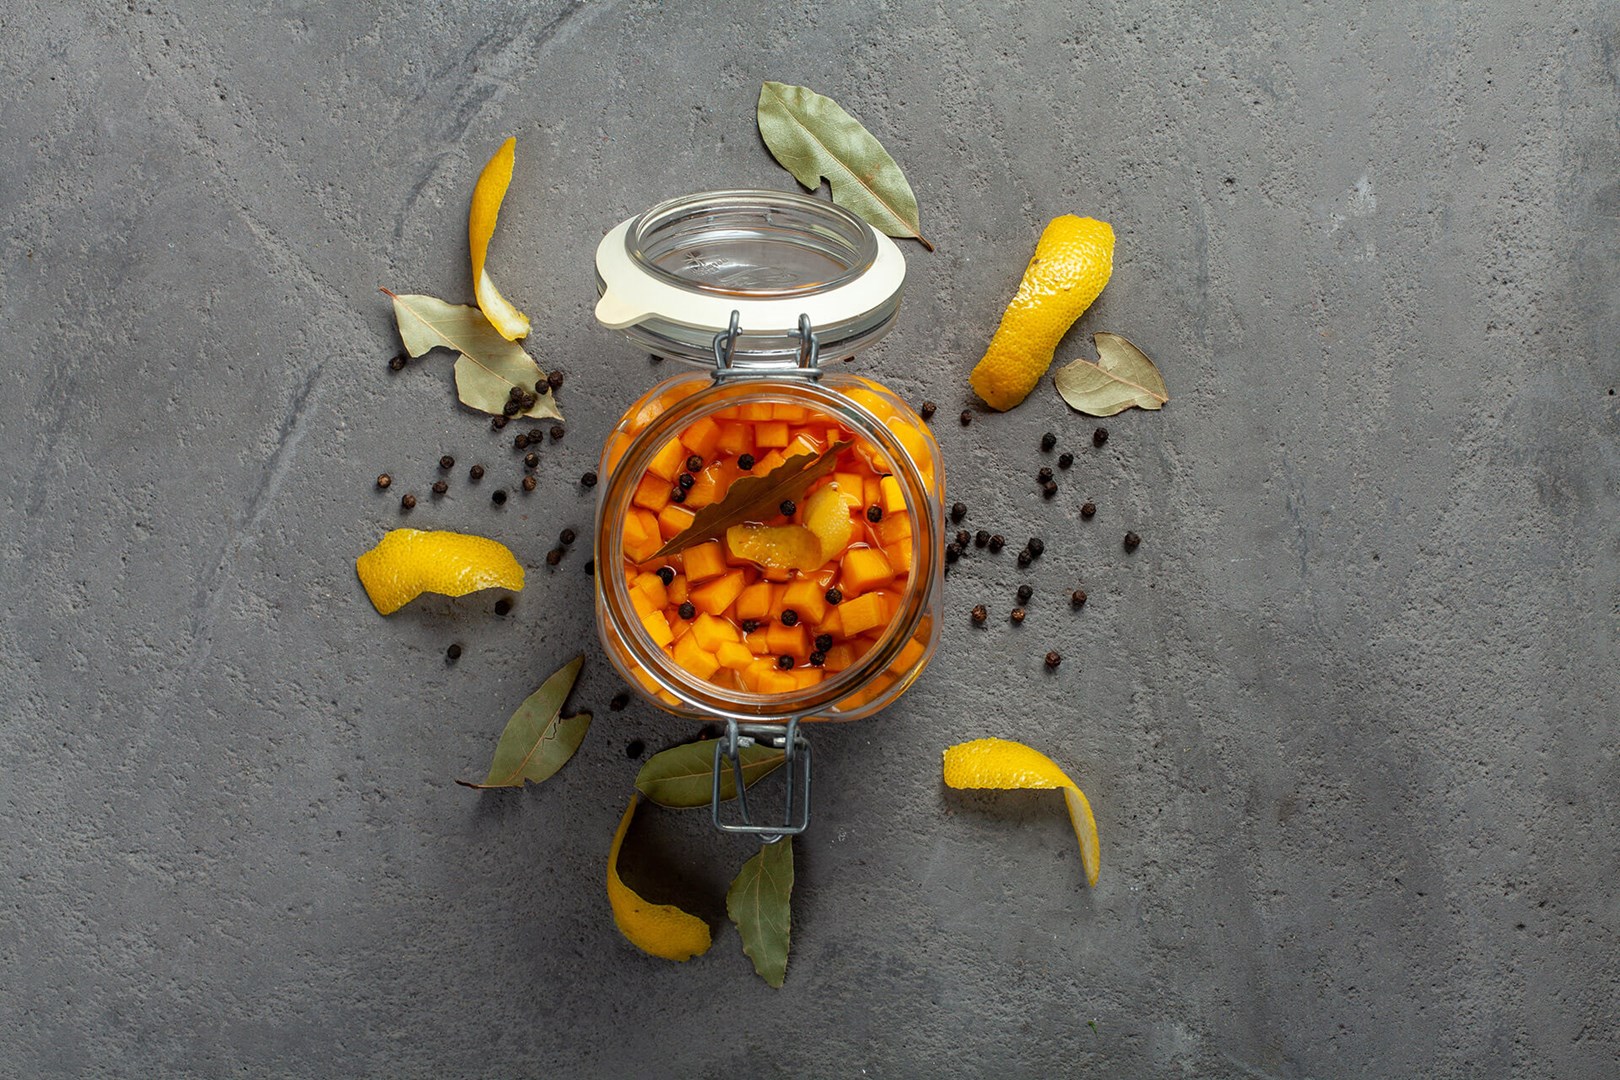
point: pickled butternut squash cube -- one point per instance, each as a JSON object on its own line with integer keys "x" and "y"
{"x": 643, "y": 603}
{"x": 651, "y": 493}
{"x": 679, "y": 591}
{"x": 788, "y": 640}
{"x": 719, "y": 594}
{"x": 733, "y": 655}
{"x": 695, "y": 658}
{"x": 754, "y": 602}
{"x": 892, "y": 529}
{"x": 771, "y": 433}
{"x": 757, "y": 410}
{"x": 900, "y": 555}
{"x": 711, "y": 632}
{"x": 806, "y": 598}
{"x": 701, "y": 437}
{"x": 776, "y": 681}
{"x": 863, "y": 569}
{"x": 641, "y": 537}
{"x": 863, "y": 613}
{"x": 668, "y": 462}
{"x": 890, "y": 497}
{"x": 703, "y": 562}
{"x": 654, "y": 587}
{"x": 658, "y": 628}
{"x": 793, "y": 414}
{"x": 831, "y": 623}
{"x": 908, "y": 657}
{"x": 673, "y": 520}
{"x": 735, "y": 439}
{"x": 851, "y": 485}
{"x": 757, "y": 643}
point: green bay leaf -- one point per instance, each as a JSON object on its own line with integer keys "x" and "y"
{"x": 758, "y": 902}
{"x": 488, "y": 366}
{"x": 538, "y": 740}
{"x": 811, "y": 136}
{"x": 682, "y": 777}
{"x": 1122, "y": 378}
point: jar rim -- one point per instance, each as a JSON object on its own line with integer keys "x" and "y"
{"x": 710, "y": 700}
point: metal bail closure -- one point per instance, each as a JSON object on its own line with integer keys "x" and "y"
{"x": 796, "y": 749}
{"x": 726, "y": 365}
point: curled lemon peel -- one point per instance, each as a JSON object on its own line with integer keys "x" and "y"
{"x": 1006, "y": 765}
{"x": 1073, "y": 261}
{"x": 661, "y": 930}
{"x": 409, "y": 562}
{"x": 486, "y": 208}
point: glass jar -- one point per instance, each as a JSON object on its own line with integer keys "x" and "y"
{"x": 758, "y": 287}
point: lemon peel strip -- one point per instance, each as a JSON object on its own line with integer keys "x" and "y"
{"x": 1001, "y": 764}
{"x": 409, "y": 562}
{"x": 486, "y": 208}
{"x": 661, "y": 930}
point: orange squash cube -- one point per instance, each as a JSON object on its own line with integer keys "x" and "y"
{"x": 617, "y": 444}
{"x": 839, "y": 657}
{"x": 757, "y": 410}
{"x": 711, "y": 632}
{"x": 641, "y": 538}
{"x": 831, "y": 623}
{"x": 777, "y": 682}
{"x": 668, "y": 462}
{"x": 705, "y": 561}
{"x": 863, "y": 613}
{"x": 735, "y": 439}
{"x": 793, "y": 414}
{"x": 806, "y": 677}
{"x": 673, "y": 520}
{"x": 658, "y": 628}
{"x": 654, "y": 587}
{"x": 892, "y": 529}
{"x": 754, "y": 602}
{"x": 908, "y": 657}
{"x": 802, "y": 443}
{"x": 899, "y": 554}
{"x": 890, "y": 497}
{"x": 788, "y": 640}
{"x": 806, "y": 598}
{"x": 719, "y": 594}
{"x": 771, "y": 433}
{"x": 651, "y": 493}
{"x": 757, "y": 643}
{"x": 862, "y": 569}
{"x": 850, "y": 486}
{"x": 734, "y": 655}
{"x": 768, "y": 463}
{"x": 700, "y": 437}
{"x": 643, "y": 603}
{"x": 695, "y": 658}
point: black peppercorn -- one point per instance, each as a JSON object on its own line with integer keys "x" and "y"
{"x": 952, "y": 552}
{"x": 407, "y": 502}
{"x": 979, "y": 614}
{"x": 1131, "y": 541}
{"x": 784, "y": 662}
{"x": 997, "y": 542}
{"x": 677, "y": 494}
{"x": 528, "y": 401}
{"x": 750, "y": 625}
{"x": 557, "y": 432}
{"x": 981, "y": 538}
{"x": 1099, "y": 436}
{"x": 554, "y": 556}
{"x": 531, "y": 459}
{"x": 874, "y": 513}
{"x": 620, "y": 700}
{"x": 1065, "y": 460}
{"x": 447, "y": 463}
{"x": 666, "y": 574}
{"x": 635, "y": 747}
{"x": 1036, "y": 546}
{"x": 963, "y": 538}
{"x": 555, "y": 380}
{"x": 568, "y": 536}
{"x": 588, "y": 480}
{"x": 542, "y": 387}
{"x": 958, "y": 511}
{"x": 383, "y": 481}
{"x": 503, "y": 605}
{"x": 590, "y": 567}
{"x": 499, "y": 497}
{"x": 694, "y": 463}
{"x": 687, "y": 611}
{"x": 745, "y": 462}
{"x": 397, "y": 363}
{"x": 818, "y": 658}
{"x": 497, "y": 422}
{"x": 537, "y": 437}
{"x": 515, "y": 394}
{"x": 823, "y": 642}
{"x": 1017, "y": 615}
{"x": 1048, "y": 441}
{"x": 788, "y": 507}
{"x": 1078, "y": 598}
{"x": 1024, "y": 593}
{"x": 476, "y": 472}
{"x": 927, "y": 410}
{"x": 790, "y": 617}
{"x": 1045, "y": 474}
{"x": 511, "y": 408}
{"x": 440, "y": 487}
{"x": 686, "y": 480}
{"x": 530, "y": 483}
{"x": 1049, "y": 489}
{"x": 1053, "y": 659}
{"x": 1025, "y": 558}
{"x": 966, "y": 417}
{"x": 1087, "y": 509}
{"x": 453, "y": 653}
{"x": 520, "y": 441}
{"x": 835, "y": 596}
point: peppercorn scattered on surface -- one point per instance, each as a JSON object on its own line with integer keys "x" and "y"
{"x": 778, "y": 604}
{"x": 409, "y": 562}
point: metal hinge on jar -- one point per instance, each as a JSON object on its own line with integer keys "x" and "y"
{"x": 796, "y": 751}
{"x": 726, "y": 366}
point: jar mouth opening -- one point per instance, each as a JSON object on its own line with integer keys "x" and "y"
{"x": 752, "y": 244}
{"x": 711, "y": 700}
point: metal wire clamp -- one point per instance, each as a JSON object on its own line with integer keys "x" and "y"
{"x": 796, "y": 749}
{"x": 726, "y": 366}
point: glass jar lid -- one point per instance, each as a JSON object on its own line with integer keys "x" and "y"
{"x": 672, "y": 278}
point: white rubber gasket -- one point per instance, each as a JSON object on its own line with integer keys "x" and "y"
{"x": 630, "y": 294}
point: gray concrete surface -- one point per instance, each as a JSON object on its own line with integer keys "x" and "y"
{"x": 1347, "y": 717}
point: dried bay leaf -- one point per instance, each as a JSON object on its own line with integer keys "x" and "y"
{"x": 758, "y": 902}
{"x": 1122, "y": 378}
{"x": 538, "y": 740}
{"x": 811, "y": 136}
{"x": 682, "y": 777}
{"x": 754, "y": 498}
{"x": 488, "y": 365}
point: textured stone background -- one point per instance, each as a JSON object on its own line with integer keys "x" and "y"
{"x": 1347, "y": 717}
